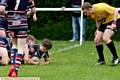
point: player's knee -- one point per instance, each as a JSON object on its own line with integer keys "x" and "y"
{"x": 105, "y": 39}
{"x": 96, "y": 41}
{"x": 5, "y": 60}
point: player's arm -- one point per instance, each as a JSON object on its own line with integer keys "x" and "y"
{"x": 35, "y": 17}
{"x": 111, "y": 11}
{"x": 46, "y": 58}
{"x": 97, "y": 26}
{"x": 115, "y": 15}
{"x": 31, "y": 8}
{"x": 26, "y": 53}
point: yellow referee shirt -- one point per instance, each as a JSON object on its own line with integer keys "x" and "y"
{"x": 103, "y": 13}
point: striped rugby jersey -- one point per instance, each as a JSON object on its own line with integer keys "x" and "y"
{"x": 17, "y": 12}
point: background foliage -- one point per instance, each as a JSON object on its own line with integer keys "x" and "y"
{"x": 57, "y": 25}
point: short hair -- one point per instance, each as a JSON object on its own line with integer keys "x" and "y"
{"x": 31, "y": 37}
{"x": 47, "y": 43}
{"x": 86, "y": 5}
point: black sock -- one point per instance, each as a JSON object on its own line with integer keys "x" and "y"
{"x": 100, "y": 52}
{"x": 112, "y": 48}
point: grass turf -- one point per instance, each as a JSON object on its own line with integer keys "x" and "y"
{"x": 73, "y": 64}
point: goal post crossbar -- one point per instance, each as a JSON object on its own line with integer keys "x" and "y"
{"x": 60, "y": 9}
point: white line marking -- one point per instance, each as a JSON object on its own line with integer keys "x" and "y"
{"x": 65, "y": 49}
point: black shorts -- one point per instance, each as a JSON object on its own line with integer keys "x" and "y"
{"x": 104, "y": 26}
{"x": 18, "y": 25}
{"x": 19, "y": 33}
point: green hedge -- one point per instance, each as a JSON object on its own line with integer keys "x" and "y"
{"x": 57, "y": 26}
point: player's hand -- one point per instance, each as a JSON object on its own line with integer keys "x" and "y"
{"x": 34, "y": 17}
{"x": 47, "y": 62}
{"x": 113, "y": 26}
{"x": 108, "y": 26}
{"x": 28, "y": 13}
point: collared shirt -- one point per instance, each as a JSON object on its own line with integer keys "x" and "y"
{"x": 103, "y": 13}
{"x": 37, "y": 52}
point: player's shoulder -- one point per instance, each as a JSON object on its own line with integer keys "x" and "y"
{"x": 100, "y": 4}
{"x": 36, "y": 45}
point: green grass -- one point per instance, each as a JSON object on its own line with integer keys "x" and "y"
{"x": 74, "y": 64}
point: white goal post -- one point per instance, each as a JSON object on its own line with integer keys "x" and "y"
{"x": 58, "y": 9}
{"x": 66, "y": 9}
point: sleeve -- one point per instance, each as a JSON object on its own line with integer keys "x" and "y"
{"x": 3, "y": 2}
{"x": 36, "y": 47}
{"x": 46, "y": 55}
{"x": 109, "y": 9}
{"x": 37, "y": 52}
{"x": 31, "y": 3}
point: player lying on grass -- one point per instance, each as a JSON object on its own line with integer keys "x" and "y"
{"x": 34, "y": 52}
{"x": 30, "y": 41}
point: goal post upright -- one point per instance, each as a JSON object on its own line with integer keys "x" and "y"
{"x": 81, "y": 25}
